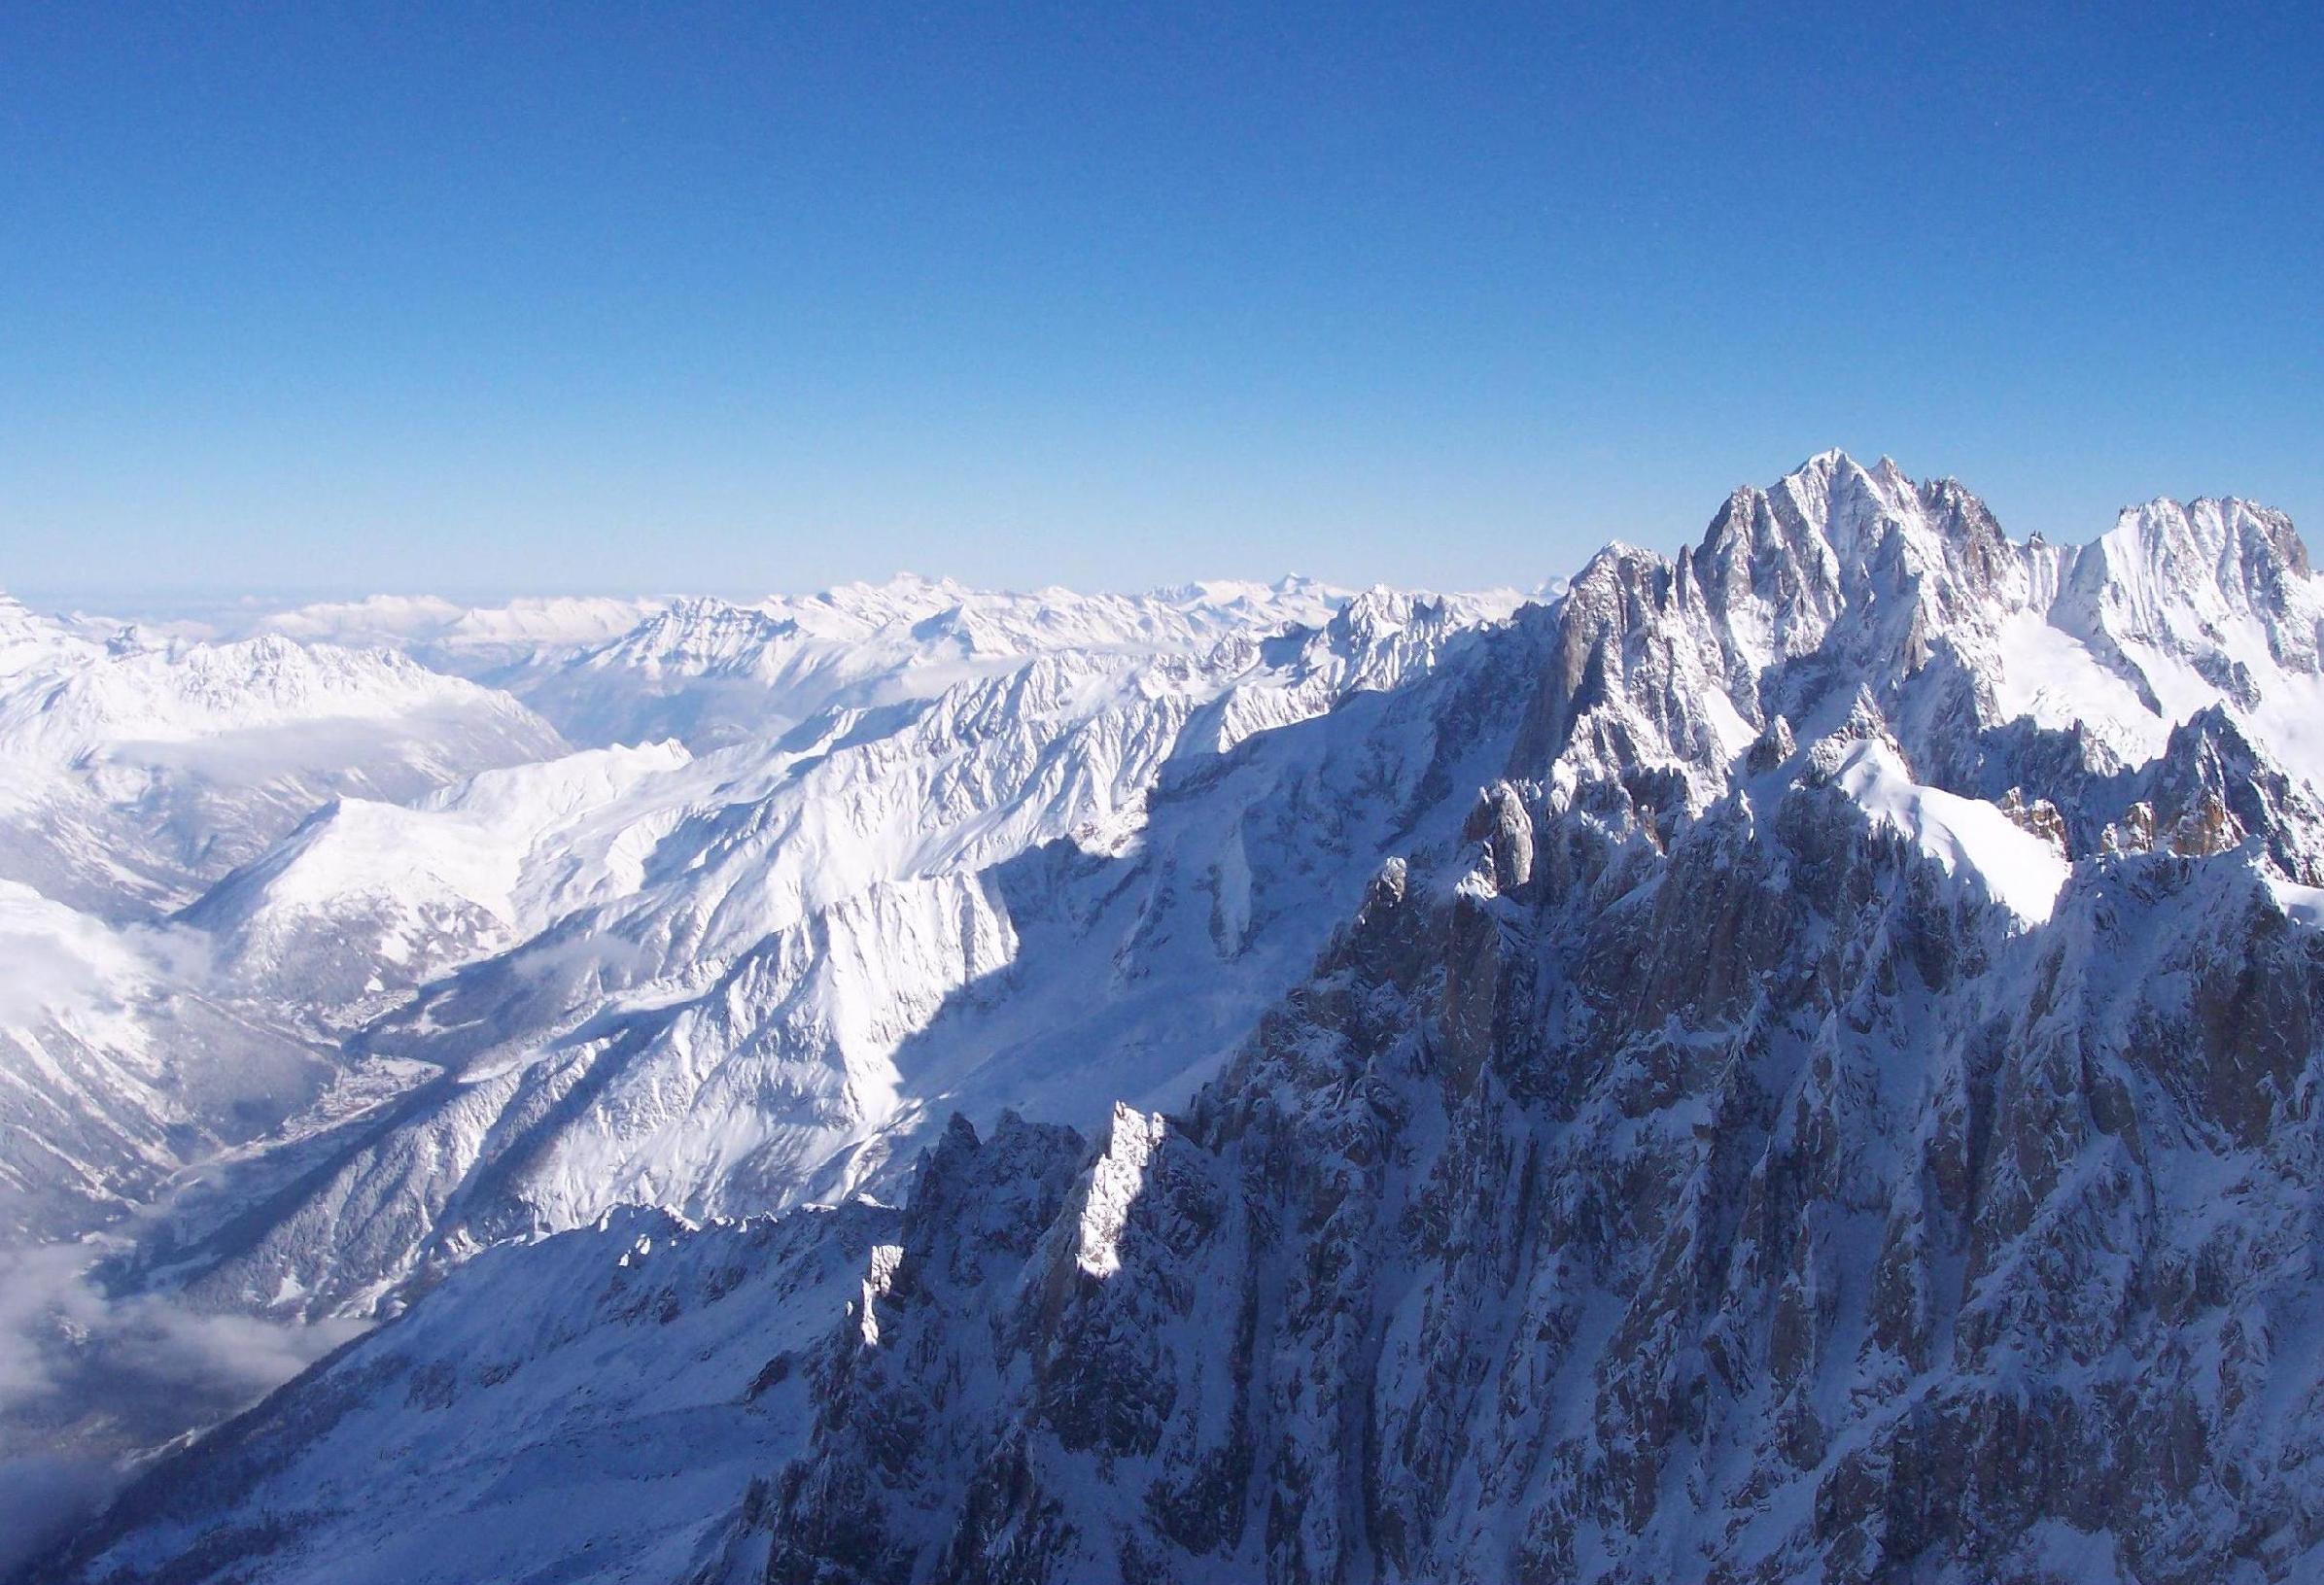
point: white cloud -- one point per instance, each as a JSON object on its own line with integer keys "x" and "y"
{"x": 87, "y": 1378}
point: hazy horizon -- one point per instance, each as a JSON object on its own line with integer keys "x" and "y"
{"x": 96, "y": 598}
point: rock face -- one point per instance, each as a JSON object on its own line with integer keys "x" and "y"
{"x": 1833, "y": 1099}
{"x": 1536, "y": 1242}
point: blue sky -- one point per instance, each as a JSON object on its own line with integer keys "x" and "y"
{"x": 651, "y": 297}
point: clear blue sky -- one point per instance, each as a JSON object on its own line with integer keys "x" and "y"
{"x": 643, "y": 296}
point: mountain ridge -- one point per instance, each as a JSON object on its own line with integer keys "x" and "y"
{"x": 1810, "y": 1076}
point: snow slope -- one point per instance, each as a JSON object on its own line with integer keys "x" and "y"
{"x": 368, "y": 900}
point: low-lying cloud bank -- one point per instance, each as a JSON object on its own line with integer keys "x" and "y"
{"x": 91, "y": 1384}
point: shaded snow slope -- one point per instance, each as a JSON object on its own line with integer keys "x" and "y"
{"x": 603, "y": 1402}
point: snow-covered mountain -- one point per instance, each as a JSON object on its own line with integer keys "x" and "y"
{"x": 135, "y": 768}
{"x": 368, "y": 900}
{"x": 983, "y": 728}
{"x": 142, "y": 764}
{"x": 732, "y": 982}
{"x": 713, "y": 673}
{"x": 1791, "y": 1060}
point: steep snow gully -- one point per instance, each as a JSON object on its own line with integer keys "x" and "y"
{"x": 1790, "y": 1061}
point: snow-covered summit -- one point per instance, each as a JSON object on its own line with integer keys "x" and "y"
{"x": 1840, "y": 579}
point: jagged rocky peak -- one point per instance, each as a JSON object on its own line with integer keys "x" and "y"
{"x": 2209, "y": 791}
{"x": 2240, "y": 545}
{"x": 1994, "y": 665}
{"x": 2190, "y": 575}
{"x": 1833, "y": 534}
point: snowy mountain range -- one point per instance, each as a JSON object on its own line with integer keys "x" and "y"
{"x": 1793, "y": 1060}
